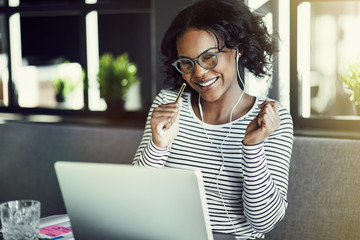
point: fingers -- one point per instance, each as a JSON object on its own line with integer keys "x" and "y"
{"x": 164, "y": 116}
{"x": 265, "y": 123}
{"x": 268, "y": 118}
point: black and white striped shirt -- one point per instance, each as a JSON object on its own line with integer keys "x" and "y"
{"x": 248, "y": 195}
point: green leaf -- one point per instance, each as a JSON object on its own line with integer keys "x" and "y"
{"x": 351, "y": 79}
{"x": 116, "y": 75}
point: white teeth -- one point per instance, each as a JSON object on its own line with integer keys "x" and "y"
{"x": 205, "y": 84}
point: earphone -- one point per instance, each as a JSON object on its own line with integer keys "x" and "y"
{"x": 238, "y": 54}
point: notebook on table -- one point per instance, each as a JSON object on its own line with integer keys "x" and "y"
{"x": 113, "y": 201}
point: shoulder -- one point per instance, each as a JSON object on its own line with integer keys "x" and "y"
{"x": 165, "y": 96}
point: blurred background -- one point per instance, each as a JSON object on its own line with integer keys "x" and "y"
{"x": 50, "y": 51}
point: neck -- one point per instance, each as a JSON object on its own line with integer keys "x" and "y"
{"x": 220, "y": 111}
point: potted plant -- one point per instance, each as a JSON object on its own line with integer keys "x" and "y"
{"x": 116, "y": 76}
{"x": 69, "y": 76}
{"x": 351, "y": 79}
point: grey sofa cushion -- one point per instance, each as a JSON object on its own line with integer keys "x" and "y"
{"x": 324, "y": 191}
{"x": 28, "y": 152}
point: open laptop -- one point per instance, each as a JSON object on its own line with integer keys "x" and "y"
{"x": 113, "y": 201}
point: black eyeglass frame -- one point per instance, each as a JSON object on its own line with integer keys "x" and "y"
{"x": 192, "y": 60}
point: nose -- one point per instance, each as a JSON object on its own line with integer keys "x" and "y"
{"x": 198, "y": 69}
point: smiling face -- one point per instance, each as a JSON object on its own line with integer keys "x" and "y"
{"x": 213, "y": 84}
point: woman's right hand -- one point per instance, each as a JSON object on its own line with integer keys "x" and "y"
{"x": 165, "y": 123}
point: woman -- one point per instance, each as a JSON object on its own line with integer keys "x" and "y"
{"x": 242, "y": 144}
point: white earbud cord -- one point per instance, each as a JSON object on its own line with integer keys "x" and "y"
{"x": 222, "y": 154}
{"x": 231, "y": 114}
{"x": 226, "y": 137}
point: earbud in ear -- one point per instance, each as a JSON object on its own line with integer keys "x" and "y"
{"x": 237, "y": 54}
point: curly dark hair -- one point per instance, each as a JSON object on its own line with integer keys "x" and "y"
{"x": 233, "y": 24}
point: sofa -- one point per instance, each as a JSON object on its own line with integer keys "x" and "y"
{"x": 324, "y": 191}
{"x": 324, "y": 181}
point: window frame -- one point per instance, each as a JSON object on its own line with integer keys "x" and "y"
{"x": 320, "y": 126}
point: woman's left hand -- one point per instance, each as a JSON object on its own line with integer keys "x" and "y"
{"x": 265, "y": 123}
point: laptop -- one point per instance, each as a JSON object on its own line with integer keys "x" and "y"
{"x": 116, "y": 201}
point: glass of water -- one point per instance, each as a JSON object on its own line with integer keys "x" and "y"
{"x": 20, "y": 219}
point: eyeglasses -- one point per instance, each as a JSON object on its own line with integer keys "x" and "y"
{"x": 207, "y": 60}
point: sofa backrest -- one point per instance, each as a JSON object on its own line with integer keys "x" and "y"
{"x": 28, "y": 152}
{"x": 324, "y": 178}
{"x": 324, "y": 191}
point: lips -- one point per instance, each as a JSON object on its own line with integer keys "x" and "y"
{"x": 207, "y": 83}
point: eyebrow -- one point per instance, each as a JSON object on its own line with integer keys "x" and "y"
{"x": 200, "y": 53}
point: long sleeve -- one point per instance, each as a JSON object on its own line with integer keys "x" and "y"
{"x": 266, "y": 167}
{"x": 148, "y": 154}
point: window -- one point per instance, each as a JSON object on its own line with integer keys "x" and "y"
{"x": 324, "y": 46}
{"x": 48, "y": 54}
{"x": 276, "y": 17}
{"x": 4, "y": 73}
{"x": 46, "y": 45}
{"x": 132, "y": 27}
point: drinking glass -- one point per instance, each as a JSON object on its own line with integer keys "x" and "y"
{"x": 20, "y": 219}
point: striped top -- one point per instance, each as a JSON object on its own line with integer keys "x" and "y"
{"x": 247, "y": 196}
